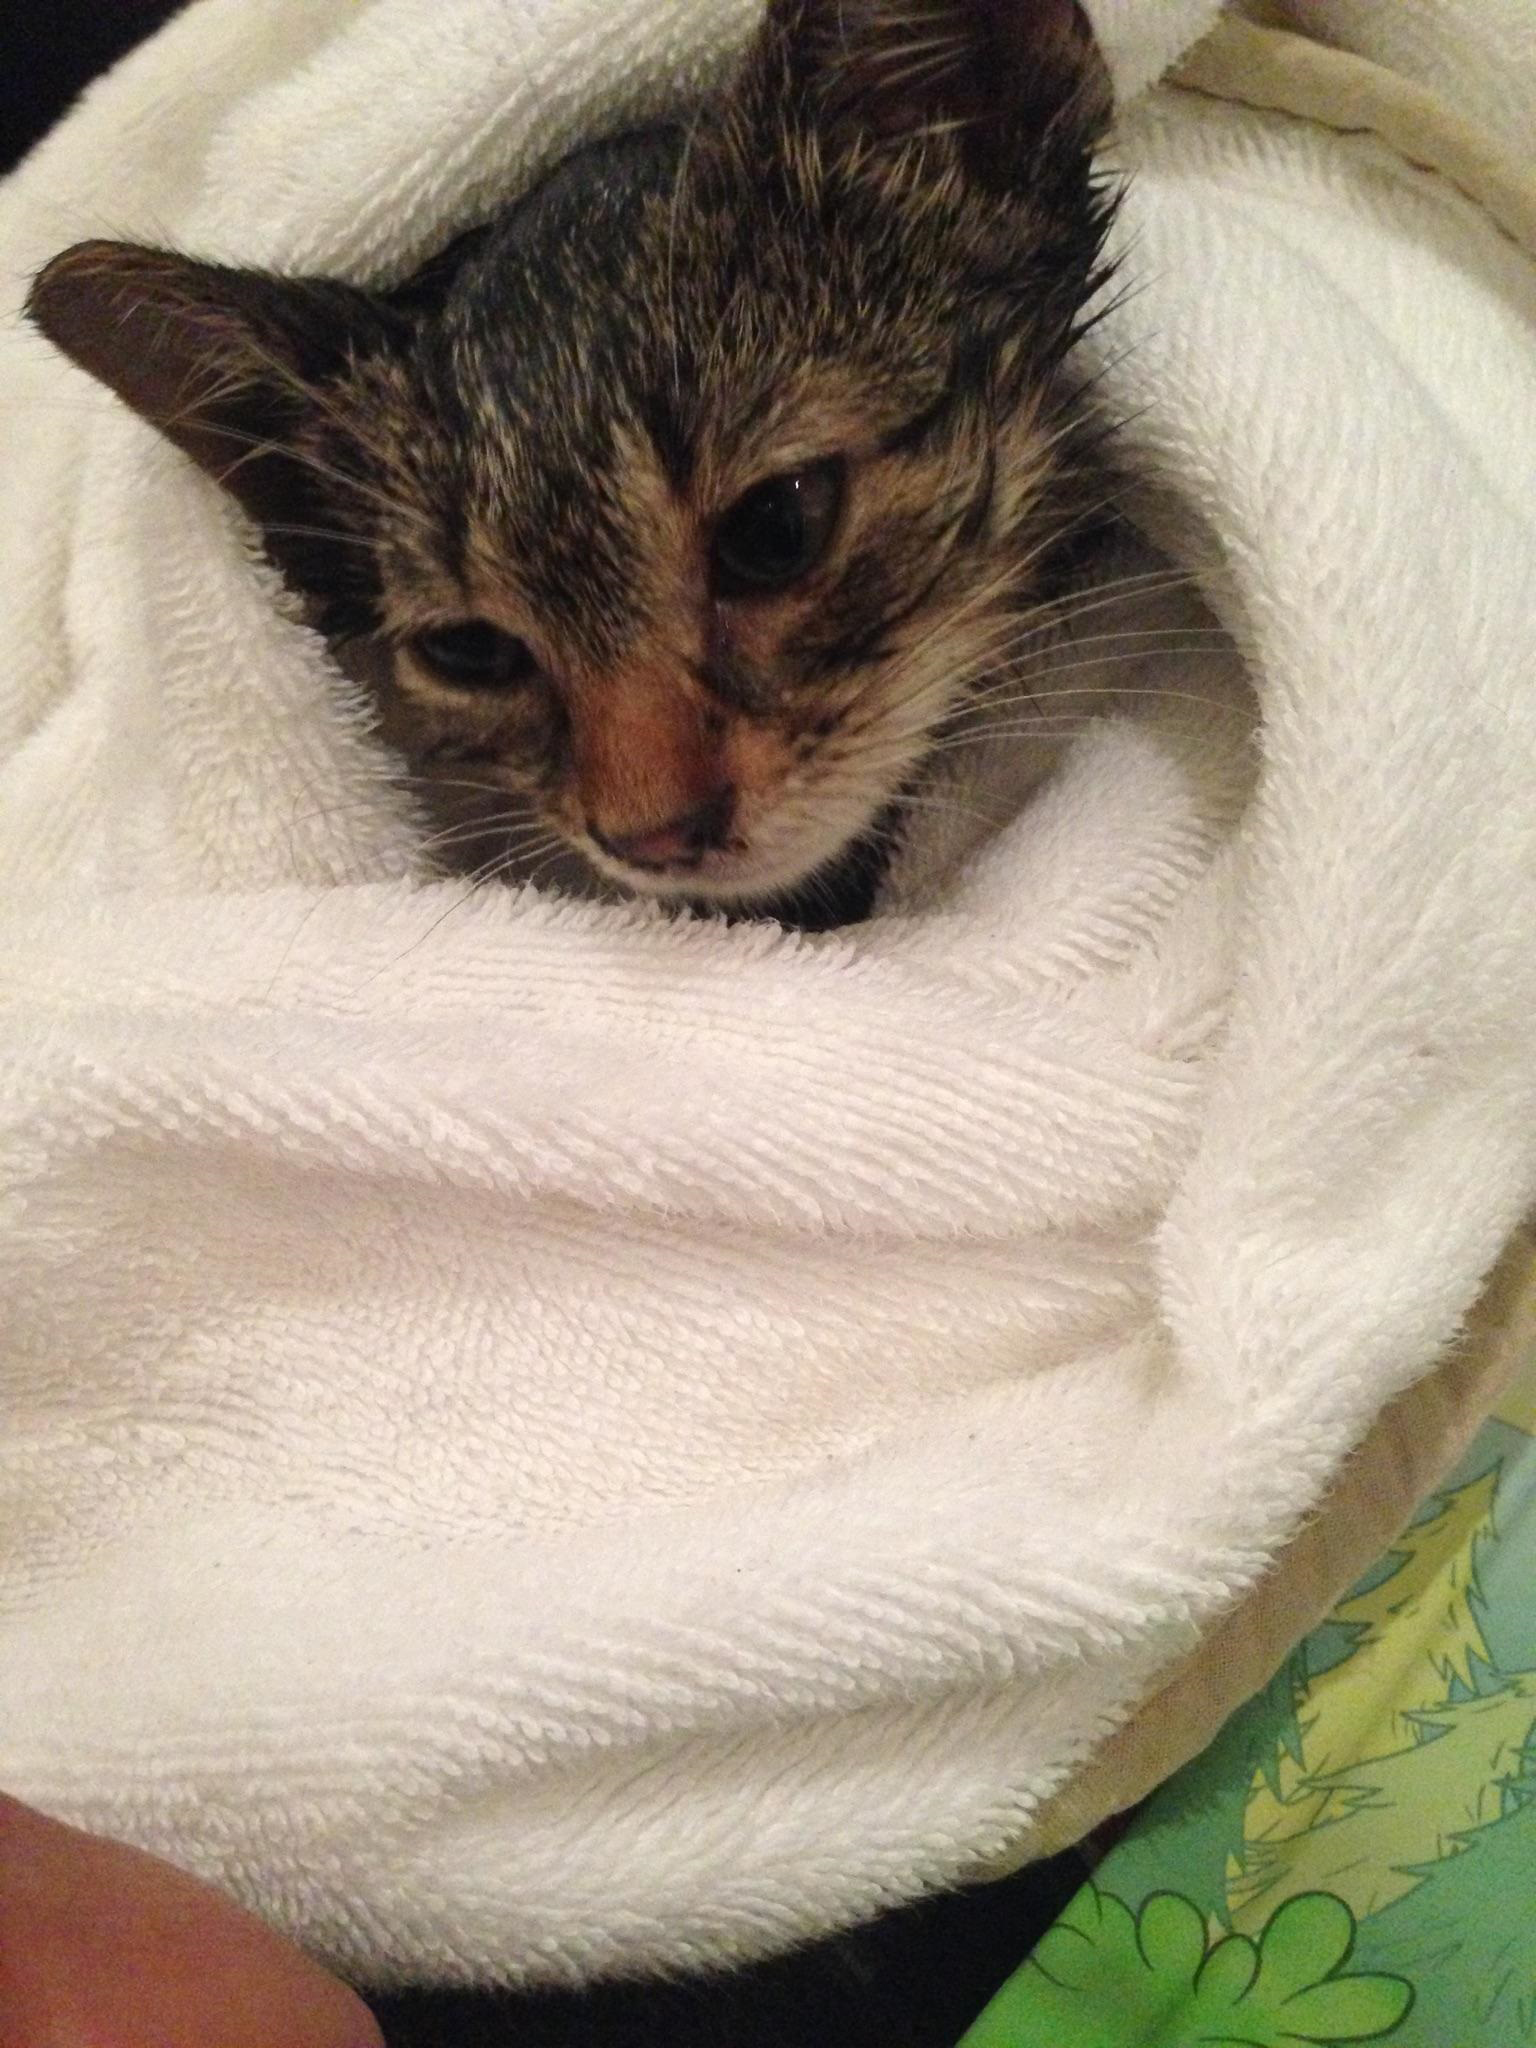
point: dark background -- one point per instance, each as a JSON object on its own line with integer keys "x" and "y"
{"x": 49, "y": 48}
{"x": 916, "y": 1979}
{"x": 913, "y": 1980}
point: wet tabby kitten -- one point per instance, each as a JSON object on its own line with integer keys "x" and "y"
{"x": 691, "y": 495}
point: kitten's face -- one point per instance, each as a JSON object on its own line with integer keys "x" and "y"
{"x": 694, "y": 499}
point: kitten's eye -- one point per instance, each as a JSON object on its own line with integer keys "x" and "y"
{"x": 777, "y": 531}
{"x": 474, "y": 655}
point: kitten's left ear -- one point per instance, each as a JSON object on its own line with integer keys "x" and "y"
{"x": 239, "y": 369}
{"x": 1021, "y": 82}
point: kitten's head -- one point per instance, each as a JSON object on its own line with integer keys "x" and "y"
{"x": 692, "y": 493}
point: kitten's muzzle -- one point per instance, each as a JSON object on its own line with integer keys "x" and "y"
{"x": 681, "y": 842}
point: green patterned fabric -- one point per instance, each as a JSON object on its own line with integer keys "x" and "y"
{"x": 1354, "y": 1858}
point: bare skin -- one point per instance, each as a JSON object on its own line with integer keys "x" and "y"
{"x": 102, "y": 1946}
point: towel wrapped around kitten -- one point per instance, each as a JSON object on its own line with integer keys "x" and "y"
{"x": 550, "y": 1437}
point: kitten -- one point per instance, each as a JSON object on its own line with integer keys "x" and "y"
{"x": 686, "y": 501}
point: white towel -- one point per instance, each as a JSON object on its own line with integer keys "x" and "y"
{"x": 539, "y": 1440}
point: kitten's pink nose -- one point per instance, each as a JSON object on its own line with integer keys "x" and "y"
{"x": 681, "y": 841}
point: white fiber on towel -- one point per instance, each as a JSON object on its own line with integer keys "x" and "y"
{"x": 537, "y": 1439}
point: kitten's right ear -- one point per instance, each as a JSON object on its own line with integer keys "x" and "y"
{"x": 231, "y": 365}
{"x": 1022, "y": 83}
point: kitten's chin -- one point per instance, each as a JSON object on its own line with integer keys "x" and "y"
{"x": 728, "y": 880}
{"x": 827, "y": 886}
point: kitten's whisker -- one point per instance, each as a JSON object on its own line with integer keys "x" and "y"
{"x": 1010, "y": 660}
{"x": 937, "y": 800}
{"x": 481, "y": 875}
{"x": 326, "y": 533}
{"x": 432, "y": 781}
{"x": 1052, "y": 730}
{"x": 1029, "y": 720}
{"x": 501, "y": 852}
{"x": 1013, "y": 679}
{"x": 390, "y": 784}
{"x": 1192, "y": 634}
{"x": 1029, "y": 683}
{"x": 509, "y": 832}
{"x": 509, "y": 826}
{"x": 1135, "y": 579}
{"x": 1057, "y": 726}
{"x": 990, "y": 671}
{"x": 1101, "y": 597}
